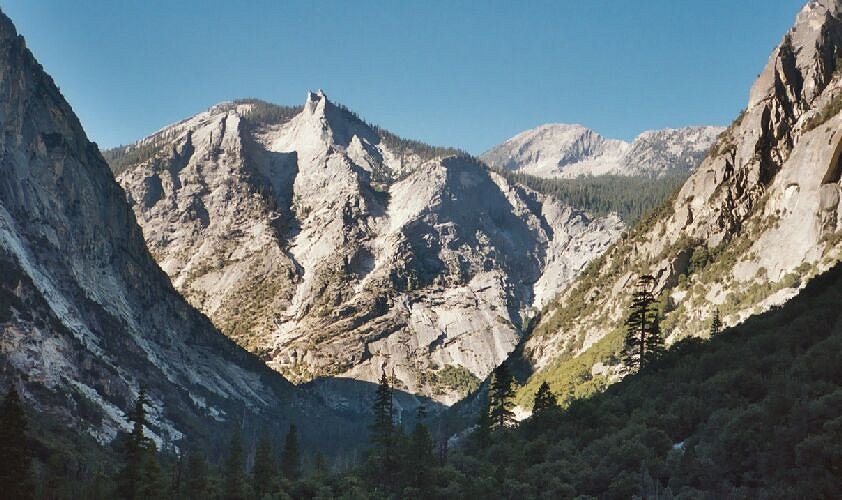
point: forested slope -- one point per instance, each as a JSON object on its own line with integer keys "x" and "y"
{"x": 752, "y": 413}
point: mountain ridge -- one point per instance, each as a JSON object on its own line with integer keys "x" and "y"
{"x": 756, "y": 219}
{"x": 352, "y": 231}
{"x": 87, "y": 315}
{"x": 559, "y": 150}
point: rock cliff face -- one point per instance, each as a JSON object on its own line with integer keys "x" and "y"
{"x": 331, "y": 247}
{"x": 86, "y": 315}
{"x": 566, "y": 151}
{"x": 758, "y": 216}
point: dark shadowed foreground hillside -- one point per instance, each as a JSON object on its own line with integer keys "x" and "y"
{"x": 752, "y": 413}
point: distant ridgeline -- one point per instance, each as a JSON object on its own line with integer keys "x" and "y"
{"x": 631, "y": 197}
{"x": 264, "y": 113}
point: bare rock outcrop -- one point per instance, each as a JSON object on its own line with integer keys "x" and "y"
{"x": 333, "y": 248}
{"x": 566, "y": 151}
{"x": 758, "y": 217}
{"x": 86, "y": 315}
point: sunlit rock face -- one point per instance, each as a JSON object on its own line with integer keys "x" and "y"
{"x": 762, "y": 210}
{"x": 86, "y": 315}
{"x": 331, "y": 247}
{"x": 567, "y": 151}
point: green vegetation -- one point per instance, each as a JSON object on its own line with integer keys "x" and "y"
{"x": 631, "y": 197}
{"x": 16, "y": 463}
{"x": 500, "y": 398}
{"x": 291, "y": 455}
{"x": 715, "y": 324}
{"x": 121, "y": 158}
{"x": 831, "y": 109}
{"x": 571, "y": 377}
{"x": 140, "y": 476}
{"x": 454, "y": 378}
{"x": 754, "y": 412}
{"x": 644, "y": 343}
{"x": 266, "y": 113}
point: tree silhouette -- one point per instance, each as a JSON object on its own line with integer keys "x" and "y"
{"x": 715, "y": 324}
{"x": 382, "y": 434}
{"x": 140, "y": 476}
{"x": 482, "y": 434}
{"x": 644, "y": 342}
{"x": 291, "y": 455}
{"x": 196, "y": 481}
{"x": 15, "y": 453}
{"x": 500, "y": 396}
{"x": 235, "y": 476}
{"x": 420, "y": 457}
{"x": 263, "y": 469}
{"x": 544, "y": 400}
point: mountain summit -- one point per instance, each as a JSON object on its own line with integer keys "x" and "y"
{"x": 86, "y": 315}
{"x": 332, "y": 247}
{"x": 756, "y": 219}
{"x": 567, "y": 151}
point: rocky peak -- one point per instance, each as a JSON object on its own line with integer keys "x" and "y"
{"x": 758, "y": 217}
{"x": 786, "y": 101}
{"x": 562, "y": 150}
{"x": 332, "y": 247}
{"x": 314, "y": 100}
{"x": 804, "y": 62}
{"x": 86, "y": 315}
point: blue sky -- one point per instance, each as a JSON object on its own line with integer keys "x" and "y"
{"x": 466, "y": 74}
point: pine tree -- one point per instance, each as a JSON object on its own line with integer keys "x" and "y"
{"x": 715, "y": 324}
{"x": 654, "y": 341}
{"x": 320, "y": 465}
{"x": 264, "y": 466}
{"x": 644, "y": 342}
{"x": 500, "y": 398}
{"x": 382, "y": 428}
{"x": 151, "y": 479}
{"x": 235, "y": 480}
{"x": 420, "y": 454}
{"x": 15, "y": 454}
{"x": 544, "y": 400}
{"x": 482, "y": 434}
{"x": 196, "y": 476}
{"x": 381, "y": 460}
{"x": 291, "y": 455}
{"x": 140, "y": 476}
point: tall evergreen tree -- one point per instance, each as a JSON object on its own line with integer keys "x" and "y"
{"x": 291, "y": 455}
{"x": 382, "y": 457}
{"x": 15, "y": 454}
{"x": 500, "y": 396}
{"x": 655, "y": 341}
{"x": 196, "y": 486}
{"x": 715, "y": 324}
{"x": 382, "y": 428}
{"x": 234, "y": 487}
{"x": 320, "y": 465}
{"x": 482, "y": 434}
{"x": 544, "y": 400}
{"x": 140, "y": 476}
{"x": 644, "y": 342}
{"x": 264, "y": 467}
{"x": 420, "y": 454}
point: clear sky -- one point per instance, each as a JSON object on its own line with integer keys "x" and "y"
{"x": 462, "y": 73}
